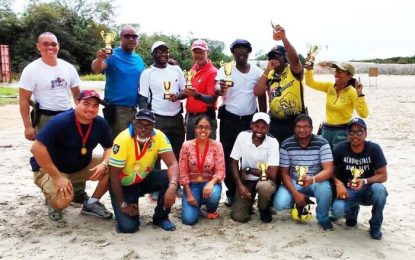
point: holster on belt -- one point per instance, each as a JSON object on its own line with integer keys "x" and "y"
{"x": 34, "y": 113}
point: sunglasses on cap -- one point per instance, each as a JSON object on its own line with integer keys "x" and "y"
{"x": 130, "y": 36}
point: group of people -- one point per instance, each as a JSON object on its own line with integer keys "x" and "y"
{"x": 270, "y": 152}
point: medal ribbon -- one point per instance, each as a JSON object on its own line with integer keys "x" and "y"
{"x": 84, "y": 137}
{"x": 198, "y": 162}
{"x": 139, "y": 156}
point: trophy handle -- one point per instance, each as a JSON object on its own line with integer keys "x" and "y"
{"x": 113, "y": 35}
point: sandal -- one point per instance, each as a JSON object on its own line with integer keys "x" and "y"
{"x": 165, "y": 224}
{"x": 55, "y": 214}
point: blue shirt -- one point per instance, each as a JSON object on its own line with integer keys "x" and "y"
{"x": 64, "y": 143}
{"x": 123, "y": 78}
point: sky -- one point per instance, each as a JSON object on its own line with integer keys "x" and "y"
{"x": 353, "y": 29}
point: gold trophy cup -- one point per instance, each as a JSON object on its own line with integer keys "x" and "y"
{"x": 301, "y": 171}
{"x": 227, "y": 69}
{"x": 276, "y": 33}
{"x": 263, "y": 166}
{"x": 356, "y": 173}
{"x": 313, "y": 50}
{"x": 188, "y": 75}
{"x": 108, "y": 39}
{"x": 167, "y": 87}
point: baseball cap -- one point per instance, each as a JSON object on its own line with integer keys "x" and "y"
{"x": 145, "y": 114}
{"x": 158, "y": 44}
{"x": 344, "y": 66}
{"x": 241, "y": 43}
{"x": 357, "y": 121}
{"x": 279, "y": 49}
{"x": 85, "y": 94}
{"x": 261, "y": 116}
{"x": 200, "y": 44}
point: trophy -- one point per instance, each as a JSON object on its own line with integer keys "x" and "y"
{"x": 356, "y": 173}
{"x": 313, "y": 50}
{"x": 188, "y": 75}
{"x": 276, "y": 33}
{"x": 301, "y": 171}
{"x": 108, "y": 38}
{"x": 263, "y": 166}
{"x": 167, "y": 86}
{"x": 227, "y": 69}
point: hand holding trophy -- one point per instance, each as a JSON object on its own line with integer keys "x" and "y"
{"x": 313, "y": 50}
{"x": 108, "y": 39}
{"x": 277, "y": 33}
{"x": 356, "y": 173}
{"x": 188, "y": 75}
{"x": 263, "y": 166}
{"x": 167, "y": 87}
{"x": 302, "y": 172}
{"x": 227, "y": 69}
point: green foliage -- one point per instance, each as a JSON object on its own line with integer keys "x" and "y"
{"x": 393, "y": 60}
{"x": 8, "y": 95}
{"x": 93, "y": 77}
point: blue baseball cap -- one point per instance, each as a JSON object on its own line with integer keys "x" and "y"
{"x": 145, "y": 114}
{"x": 241, "y": 43}
{"x": 279, "y": 49}
{"x": 357, "y": 121}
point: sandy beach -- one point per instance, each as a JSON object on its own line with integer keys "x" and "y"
{"x": 27, "y": 233}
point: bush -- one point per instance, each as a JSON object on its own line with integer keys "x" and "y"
{"x": 93, "y": 77}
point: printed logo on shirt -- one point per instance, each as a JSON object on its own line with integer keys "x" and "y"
{"x": 115, "y": 148}
{"x": 59, "y": 83}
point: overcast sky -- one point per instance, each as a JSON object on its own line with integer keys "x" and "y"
{"x": 353, "y": 29}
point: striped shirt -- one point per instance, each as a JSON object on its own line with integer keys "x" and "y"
{"x": 317, "y": 152}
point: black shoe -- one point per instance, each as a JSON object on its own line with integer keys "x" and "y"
{"x": 351, "y": 222}
{"x": 375, "y": 234}
{"x": 327, "y": 226}
{"x": 266, "y": 215}
{"x": 80, "y": 198}
{"x": 229, "y": 202}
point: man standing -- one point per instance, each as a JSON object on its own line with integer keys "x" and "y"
{"x": 367, "y": 158}
{"x": 47, "y": 81}
{"x": 239, "y": 105}
{"x": 201, "y": 98}
{"x": 134, "y": 154}
{"x": 312, "y": 153}
{"x": 161, "y": 88}
{"x": 63, "y": 149}
{"x": 253, "y": 147}
{"x": 122, "y": 71}
{"x": 283, "y": 80}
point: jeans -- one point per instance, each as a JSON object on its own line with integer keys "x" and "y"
{"x": 373, "y": 194}
{"x": 283, "y": 200}
{"x": 157, "y": 180}
{"x": 334, "y": 135}
{"x": 190, "y": 214}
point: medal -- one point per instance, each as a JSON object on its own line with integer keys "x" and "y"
{"x": 200, "y": 159}
{"x": 81, "y": 133}
{"x": 83, "y": 150}
{"x": 199, "y": 178}
{"x": 136, "y": 167}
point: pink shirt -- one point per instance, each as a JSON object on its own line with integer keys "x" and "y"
{"x": 214, "y": 165}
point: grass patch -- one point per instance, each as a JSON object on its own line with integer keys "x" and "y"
{"x": 8, "y": 95}
{"x": 93, "y": 77}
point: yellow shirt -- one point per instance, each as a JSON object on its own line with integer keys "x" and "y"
{"x": 285, "y": 95}
{"x": 123, "y": 155}
{"x": 339, "y": 108}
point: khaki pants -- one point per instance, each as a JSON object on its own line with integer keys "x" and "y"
{"x": 46, "y": 184}
{"x": 241, "y": 207}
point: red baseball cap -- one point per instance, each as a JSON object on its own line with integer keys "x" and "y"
{"x": 200, "y": 44}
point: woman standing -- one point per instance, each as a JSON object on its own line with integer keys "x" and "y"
{"x": 202, "y": 169}
{"x": 343, "y": 97}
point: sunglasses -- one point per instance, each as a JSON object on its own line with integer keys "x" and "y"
{"x": 358, "y": 133}
{"x": 47, "y": 44}
{"x": 130, "y": 36}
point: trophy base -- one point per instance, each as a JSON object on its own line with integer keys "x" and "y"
{"x": 300, "y": 182}
{"x": 277, "y": 36}
{"x": 167, "y": 96}
{"x": 263, "y": 178}
{"x": 352, "y": 184}
{"x": 228, "y": 83}
{"x": 107, "y": 50}
{"x": 309, "y": 63}
{"x": 190, "y": 87}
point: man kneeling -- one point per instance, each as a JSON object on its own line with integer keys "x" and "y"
{"x": 63, "y": 149}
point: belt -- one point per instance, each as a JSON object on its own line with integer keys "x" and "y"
{"x": 335, "y": 126}
{"x": 232, "y": 115}
{"x": 49, "y": 112}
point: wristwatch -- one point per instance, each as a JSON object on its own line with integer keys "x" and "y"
{"x": 247, "y": 169}
{"x": 123, "y": 205}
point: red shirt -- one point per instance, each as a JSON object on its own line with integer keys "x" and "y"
{"x": 204, "y": 83}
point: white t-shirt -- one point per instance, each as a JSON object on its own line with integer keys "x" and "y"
{"x": 50, "y": 85}
{"x": 240, "y": 99}
{"x": 152, "y": 87}
{"x": 243, "y": 148}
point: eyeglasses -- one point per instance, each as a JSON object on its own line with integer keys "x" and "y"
{"x": 358, "y": 133}
{"x": 302, "y": 126}
{"x": 47, "y": 44}
{"x": 203, "y": 127}
{"x": 130, "y": 36}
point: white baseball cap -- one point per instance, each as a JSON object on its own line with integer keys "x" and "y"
{"x": 158, "y": 44}
{"x": 261, "y": 116}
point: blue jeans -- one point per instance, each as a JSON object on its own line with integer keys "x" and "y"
{"x": 157, "y": 180}
{"x": 283, "y": 200}
{"x": 190, "y": 214}
{"x": 373, "y": 194}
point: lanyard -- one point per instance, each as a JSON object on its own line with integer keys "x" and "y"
{"x": 198, "y": 162}
{"x": 84, "y": 137}
{"x": 139, "y": 156}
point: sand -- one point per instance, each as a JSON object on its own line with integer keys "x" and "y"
{"x": 26, "y": 232}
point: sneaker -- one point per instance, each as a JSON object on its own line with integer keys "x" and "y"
{"x": 96, "y": 209}
{"x": 212, "y": 215}
{"x": 165, "y": 224}
{"x": 229, "y": 201}
{"x": 265, "y": 215}
{"x": 351, "y": 222}
{"x": 80, "y": 198}
{"x": 375, "y": 234}
{"x": 327, "y": 226}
